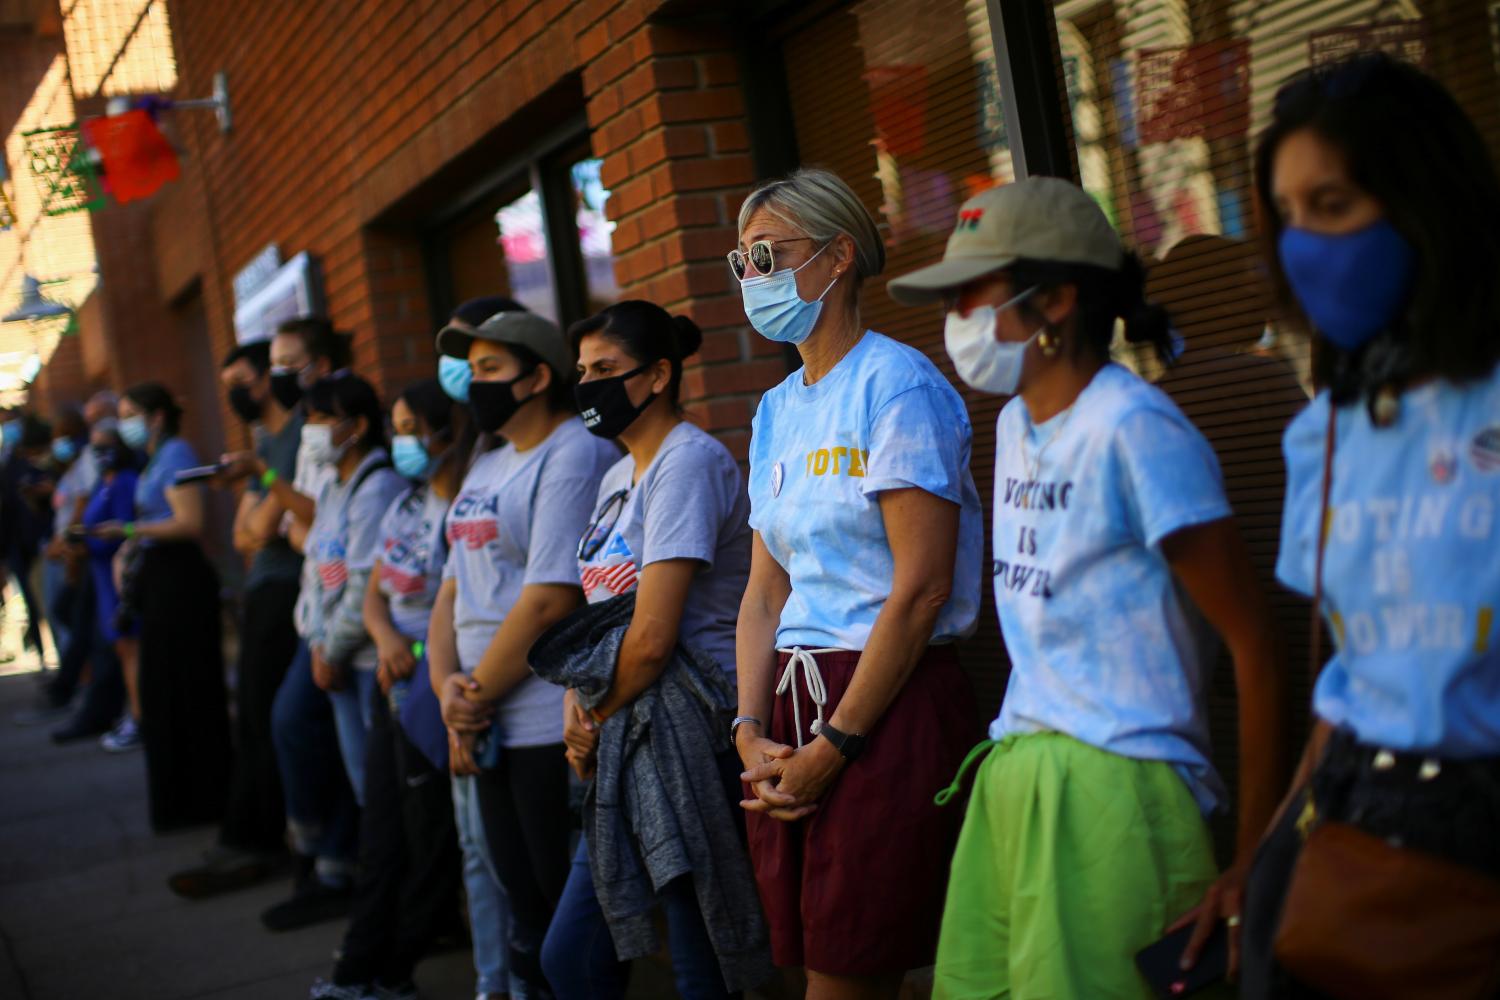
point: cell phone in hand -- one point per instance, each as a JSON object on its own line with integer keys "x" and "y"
{"x": 198, "y": 473}
{"x": 1159, "y": 963}
{"x": 75, "y": 533}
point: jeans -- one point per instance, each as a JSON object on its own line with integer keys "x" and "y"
{"x": 489, "y": 911}
{"x": 75, "y": 652}
{"x": 578, "y": 954}
{"x": 321, "y": 812}
{"x": 351, "y": 717}
{"x": 57, "y": 595}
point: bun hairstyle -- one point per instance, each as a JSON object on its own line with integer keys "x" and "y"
{"x": 647, "y": 333}
{"x": 152, "y": 398}
{"x": 1104, "y": 296}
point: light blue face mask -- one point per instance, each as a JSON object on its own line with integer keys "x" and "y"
{"x": 454, "y": 375}
{"x": 134, "y": 432}
{"x": 409, "y": 456}
{"x": 64, "y": 449}
{"x": 776, "y": 310}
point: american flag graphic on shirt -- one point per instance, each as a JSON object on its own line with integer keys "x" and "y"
{"x": 611, "y": 572}
{"x": 334, "y": 573}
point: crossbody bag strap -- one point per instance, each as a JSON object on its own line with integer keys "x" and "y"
{"x": 1315, "y": 634}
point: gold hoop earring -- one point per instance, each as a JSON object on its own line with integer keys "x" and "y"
{"x": 1048, "y": 344}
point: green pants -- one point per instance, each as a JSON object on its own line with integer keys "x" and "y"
{"x": 1071, "y": 860}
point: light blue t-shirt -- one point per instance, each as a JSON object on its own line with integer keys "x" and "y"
{"x": 1103, "y": 644}
{"x": 411, "y": 558}
{"x": 690, "y": 503}
{"x": 517, "y": 521}
{"x": 171, "y": 457}
{"x": 1411, "y": 573}
{"x": 883, "y": 419}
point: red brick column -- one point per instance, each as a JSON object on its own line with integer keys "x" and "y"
{"x": 667, "y": 114}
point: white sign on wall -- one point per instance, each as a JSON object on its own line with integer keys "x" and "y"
{"x": 267, "y": 293}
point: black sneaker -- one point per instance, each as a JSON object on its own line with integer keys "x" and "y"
{"x": 229, "y": 873}
{"x": 314, "y": 902}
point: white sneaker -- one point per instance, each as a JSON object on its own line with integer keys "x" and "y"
{"x": 322, "y": 989}
{"x": 123, "y": 738}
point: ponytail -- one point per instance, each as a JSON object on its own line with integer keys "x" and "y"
{"x": 1104, "y": 296}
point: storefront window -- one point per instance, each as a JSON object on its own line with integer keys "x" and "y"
{"x": 594, "y": 230}
{"x": 541, "y": 238}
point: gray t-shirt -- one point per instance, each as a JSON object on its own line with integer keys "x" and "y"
{"x": 516, "y": 522}
{"x": 277, "y": 560}
{"x": 411, "y": 558}
{"x": 690, "y": 503}
{"x": 78, "y": 481}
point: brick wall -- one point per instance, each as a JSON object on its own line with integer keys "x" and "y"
{"x": 354, "y": 123}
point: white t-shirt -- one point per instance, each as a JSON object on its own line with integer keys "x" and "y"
{"x": 1103, "y": 646}
{"x": 883, "y": 419}
{"x": 412, "y": 555}
{"x": 690, "y": 503}
{"x": 517, "y": 521}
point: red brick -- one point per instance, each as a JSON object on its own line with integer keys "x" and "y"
{"x": 613, "y": 63}
{"x": 698, "y": 175}
{"x": 699, "y": 244}
{"x": 719, "y": 345}
{"x": 592, "y": 43}
{"x": 692, "y": 105}
{"x": 678, "y": 212}
{"x": 722, "y": 311}
{"x": 730, "y": 137}
{"x": 719, "y": 68}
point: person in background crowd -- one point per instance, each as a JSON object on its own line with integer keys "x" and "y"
{"x": 1085, "y": 838}
{"x": 409, "y": 858}
{"x": 251, "y": 838}
{"x": 25, "y": 492}
{"x": 489, "y": 910}
{"x": 454, "y": 374}
{"x": 174, "y": 593}
{"x": 112, "y": 502}
{"x": 65, "y": 579}
{"x": 1391, "y": 255}
{"x": 334, "y": 671}
{"x": 864, "y": 570}
{"x": 346, "y": 429}
{"x": 669, "y": 525}
{"x": 512, "y": 571}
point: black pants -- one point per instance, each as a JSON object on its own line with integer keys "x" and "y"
{"x": 1455, "y": 816}
{"x": 76, "y": 652}
{"x": 19, "y": 563}
{"x": 527, "y": 824}
{"x": 410, "y": 868}
{"x": 184, "y": 709}
{"x": 255, "y": 814}
{"x": 104, "y": 697}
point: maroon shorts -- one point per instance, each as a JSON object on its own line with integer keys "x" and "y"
{"x": 857, "y": 888}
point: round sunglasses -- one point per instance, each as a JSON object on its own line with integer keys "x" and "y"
{"x": 761, "y": 256}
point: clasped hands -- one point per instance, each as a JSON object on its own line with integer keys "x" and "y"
{"x": 466, "y": 716}
{"x": 786, "y": 782}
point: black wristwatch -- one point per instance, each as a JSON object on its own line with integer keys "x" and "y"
{"x": 850, "y": 745}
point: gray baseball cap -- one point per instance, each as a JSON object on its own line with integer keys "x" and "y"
{"x": 1039, "y": 218}
{"x": 515, "y": 328}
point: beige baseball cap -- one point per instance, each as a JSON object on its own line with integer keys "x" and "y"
{"x": 1039, "y": 218}
{"x": 517, "y": 328}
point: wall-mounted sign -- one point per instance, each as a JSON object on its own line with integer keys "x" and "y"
{"x": 291, "y": 290}
{"x": 261, "y": 269}
{"x": 1402, "y": 39}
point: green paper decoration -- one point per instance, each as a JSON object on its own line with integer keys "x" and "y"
{"x": 59, "y": 159}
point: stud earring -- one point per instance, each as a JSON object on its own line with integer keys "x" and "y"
{"x": 1048, "y": 343}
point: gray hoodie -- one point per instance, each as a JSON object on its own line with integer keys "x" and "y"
{"x": 657, "y": 808}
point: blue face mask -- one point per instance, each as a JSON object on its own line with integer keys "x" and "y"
{"x": 776, "y": 310}
{"x": 10, "y": 431}
{"x": 64, "y": 449}
{"x": 134, "y": 432}
{"x": 410, "y": 457}
{"x": 1351, "y": 286}
{"x": 454, "y": 376}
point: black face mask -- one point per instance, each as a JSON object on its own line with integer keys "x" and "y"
{"x": 493, "y": 403}
{"x": 606, "y": 406}
{"x": 110, "y": 459}
{"x": 286, "y": 388}
{"x": 245, "y": 406}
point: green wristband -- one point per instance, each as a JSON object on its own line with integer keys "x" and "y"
{"x": 129, "y": 529}
{"x": 418, "y": 648}
{"x": 268, "y": 478}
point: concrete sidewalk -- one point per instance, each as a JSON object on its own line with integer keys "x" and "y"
{"x": 84, "y": 907}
